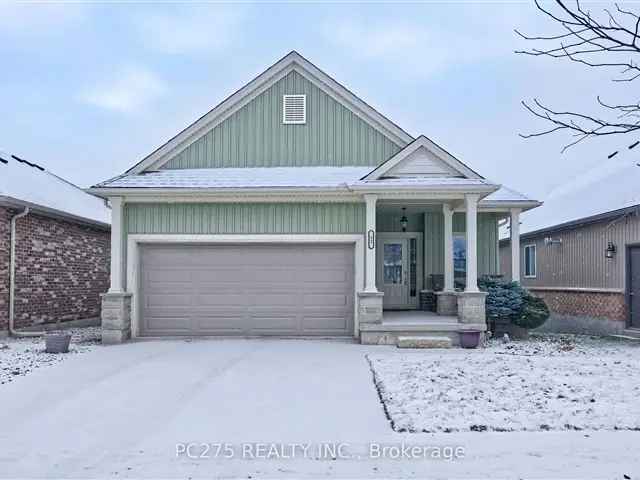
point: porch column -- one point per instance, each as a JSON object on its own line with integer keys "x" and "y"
{"x": 471, "y": 205}
{"x": 447, "y": 211}
{"x": 371, "y": 244}
{"x": 116, "y": 303}
{"x": 116, "y": 245}
{"x": 515, "y": 244}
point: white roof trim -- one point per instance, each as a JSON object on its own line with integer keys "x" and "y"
{"x": 422, "y": 142}
{"x": 292, "y": 61}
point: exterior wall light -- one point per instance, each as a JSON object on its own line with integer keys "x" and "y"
{"x": 610, "y": 251}
{"x": 403, "y": 220}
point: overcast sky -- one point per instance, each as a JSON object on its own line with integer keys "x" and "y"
{"x": 87, "y": 90}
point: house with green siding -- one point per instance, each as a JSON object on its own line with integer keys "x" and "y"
{"x": 293, "y": 208}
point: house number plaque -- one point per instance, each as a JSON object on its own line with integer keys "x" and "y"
{"x": 371, "y": 239}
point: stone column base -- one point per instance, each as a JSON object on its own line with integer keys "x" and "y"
{"x": 447, "y": 303}
{"x": 471, "y": 307}
{"x": 370, "y": 307}
{"x": 116, "y": 317}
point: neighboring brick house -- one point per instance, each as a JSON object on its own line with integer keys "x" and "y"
{"x": 587, "y": 271}
{"x": 62, "y": 247}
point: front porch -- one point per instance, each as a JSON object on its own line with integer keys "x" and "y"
{"x": 436, "y": 330}
{"x": 423, "y": 261}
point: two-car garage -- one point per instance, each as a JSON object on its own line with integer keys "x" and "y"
{"x": 246, "y": 289}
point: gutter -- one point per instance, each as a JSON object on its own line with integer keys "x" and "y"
{"x": 12, "y": 279}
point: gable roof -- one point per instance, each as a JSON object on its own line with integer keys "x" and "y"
{"x": 292, "y": 61}
{"x": 431, "y": 147}
{"x": 24, "y": 183}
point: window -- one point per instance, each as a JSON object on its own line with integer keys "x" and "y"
{"x": 392, "y": 264}
{"x": 459, "y": 254}
{"x": 294, "y": 109}
{"x": 530, "y": 261}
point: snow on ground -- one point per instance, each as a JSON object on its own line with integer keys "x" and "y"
{"x": 19, "y": 356}
{"x": 552, "y": 382}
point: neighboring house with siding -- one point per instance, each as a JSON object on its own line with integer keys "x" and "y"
{"x": 61, "y": 244}
{"x": 587, "y": 270}
{"x": 294, "y": 208}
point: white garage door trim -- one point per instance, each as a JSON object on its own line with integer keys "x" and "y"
{"x": 133, "y": 259}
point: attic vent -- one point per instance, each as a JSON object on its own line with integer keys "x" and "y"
{"x": 294, "y": 109}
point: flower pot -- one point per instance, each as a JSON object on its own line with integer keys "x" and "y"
{"x": 57, "y": 342}
{"x": 470, "y": 338}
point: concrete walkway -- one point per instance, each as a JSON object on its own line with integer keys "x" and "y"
{"x": 120, "y": 411}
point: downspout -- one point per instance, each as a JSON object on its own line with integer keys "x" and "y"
{"x": 12, "y": 279}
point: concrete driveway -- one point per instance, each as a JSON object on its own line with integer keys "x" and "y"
{"x": 120, "y": 411}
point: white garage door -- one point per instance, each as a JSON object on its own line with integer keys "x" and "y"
{"x": 297, "y": 289}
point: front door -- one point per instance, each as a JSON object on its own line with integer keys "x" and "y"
{"x": 397, "y": 270}
{"x": 634, "y": 287}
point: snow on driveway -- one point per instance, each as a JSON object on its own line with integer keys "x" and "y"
{"x": 120, "y": 411}
{"x": 546, "y": 383}
{"x": 20, "y": 356}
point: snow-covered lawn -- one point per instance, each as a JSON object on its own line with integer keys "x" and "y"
{"x": 552, "y": 382}
{"x": 19, "y": 356}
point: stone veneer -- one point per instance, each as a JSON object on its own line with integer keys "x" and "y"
{"x": 62, "y": 267}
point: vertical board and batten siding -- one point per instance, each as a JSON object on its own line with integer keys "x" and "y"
{"x": 487, "y": 241}
{"x": 390, "y": 222}
{"x": 255, "y": 135}
{"x": 249, "y": 218}
{"x": 579, "y": 262}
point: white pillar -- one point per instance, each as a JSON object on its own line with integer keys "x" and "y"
{"x": 515, "y": 244}
{"x": 370, "y": 244}
{"x": 471, "y": 205}
{"x": 447, "y": 211}
{"x": 116, "y": 245}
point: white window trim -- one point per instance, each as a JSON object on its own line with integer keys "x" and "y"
{"x": 535, "y": 260}
{"x": 304, "y": 109}
{"x": 134, "y": 241}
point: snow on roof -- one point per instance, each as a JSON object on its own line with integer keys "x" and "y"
{"x": 603, "y": 189}
{"x": 299, "y": 177}
{"x": 445, "y": 182}
{"x": 29, "y": 183}
{"x": 312, "y": 177}
{"x": 504, "y": 194}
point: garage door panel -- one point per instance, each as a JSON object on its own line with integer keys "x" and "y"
{"x": 273, "y": 299}
{"x": 325, "y": 300}
{"x": 216, "y": 323}
{"x": 247, "y": 290}
{"x": 271, "y": 275}
{"x": 169, "y": 324}
{"x": 326, "y": 323}
{"x": 226, "y": 298}
{"x": 166, "y": 300}
{"x": 268, "y": 321}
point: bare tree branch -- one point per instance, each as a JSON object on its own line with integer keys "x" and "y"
{"x": 609, "y": 40}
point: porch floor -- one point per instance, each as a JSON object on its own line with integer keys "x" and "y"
{"x": 418, "y": 321}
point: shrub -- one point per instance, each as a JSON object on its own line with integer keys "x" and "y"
{"x": 508, "y": 300}
{"x": 534, "y": 313}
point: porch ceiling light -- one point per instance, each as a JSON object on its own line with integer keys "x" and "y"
{"x": 404, "y": 221}
{"x": 610, "y": 251}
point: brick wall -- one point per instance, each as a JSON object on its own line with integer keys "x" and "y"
{"x": 5, "y": 235}
{"x": 61, "y": 270}
{"x": 610, "y": 306}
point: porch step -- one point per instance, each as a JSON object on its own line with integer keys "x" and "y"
{"x": 424, "y": 342}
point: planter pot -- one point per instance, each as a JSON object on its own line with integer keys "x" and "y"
{"x": 470, "y": 338}
{"x": 57, "y": 342}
